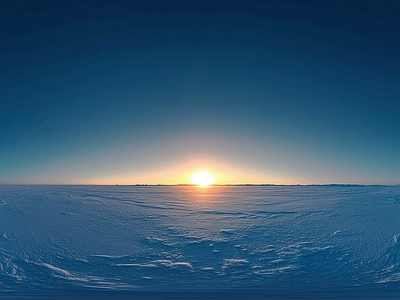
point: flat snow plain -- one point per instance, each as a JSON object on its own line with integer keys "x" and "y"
{"x": 179, "y": 242}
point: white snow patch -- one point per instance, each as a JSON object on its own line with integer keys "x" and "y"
{"x": 234, "y": 262}
{"x": 65, "y": 273}
{"x": 108, "y": 256}
{"x": 393, "y": 278}
{"x": 136, "y": 265}
{"x": 171, "y": 264}
{"x": 58, "y": 270}
{"x": 396, "y": 238}
{"x": 159, "y": 240}
{"x": 11, "y": 269}
{"x": 275, "y": 270}
{"x": 227, "y": 231}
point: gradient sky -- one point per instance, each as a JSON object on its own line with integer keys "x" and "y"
{"x": 150, "y": 91}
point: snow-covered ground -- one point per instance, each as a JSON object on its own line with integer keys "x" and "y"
{"x": 216, "y": 242}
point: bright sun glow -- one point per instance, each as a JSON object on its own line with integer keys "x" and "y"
{"x": 202, "y": 178}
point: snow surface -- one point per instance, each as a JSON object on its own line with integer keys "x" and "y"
{"x": 217, "y": 242}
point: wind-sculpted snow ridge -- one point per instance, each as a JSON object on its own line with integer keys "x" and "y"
{"x": 237, "y": 242}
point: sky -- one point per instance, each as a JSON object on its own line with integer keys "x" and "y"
{"x": 149, "y": 92}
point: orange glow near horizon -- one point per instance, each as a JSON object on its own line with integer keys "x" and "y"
{"x": 194, "y": 171}
{"x": 202, "y": 178}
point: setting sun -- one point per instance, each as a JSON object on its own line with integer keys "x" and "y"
{"x": 202, "y": 178}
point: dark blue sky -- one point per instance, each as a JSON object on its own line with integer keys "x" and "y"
{"x": 149, "y": 91}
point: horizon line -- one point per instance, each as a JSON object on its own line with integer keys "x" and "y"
{"x": 195, "y": 185}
